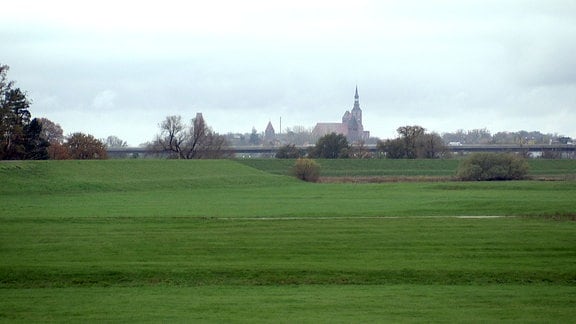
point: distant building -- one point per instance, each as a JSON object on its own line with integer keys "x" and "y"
{"x": 269, "y": 134}
{"x": 351, "y": 125}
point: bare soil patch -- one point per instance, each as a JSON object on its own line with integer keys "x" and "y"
{"x": 383, "y": 179}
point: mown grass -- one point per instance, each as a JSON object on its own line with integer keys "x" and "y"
{"x": 222, "y": 241}
{"x": 296, "y": 304}
{"x": 132, "y": 252}
{"x": 228, "y": 189}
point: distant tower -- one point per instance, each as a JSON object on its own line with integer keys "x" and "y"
{"x": 356, "y": 111}
{"x": 269, "y": 133}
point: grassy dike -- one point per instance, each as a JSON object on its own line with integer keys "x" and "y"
{"x": 222, "y": 241}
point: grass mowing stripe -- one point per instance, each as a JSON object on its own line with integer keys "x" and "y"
{"x": 297, "y": 199}
{"x": 182, "y": 251}
{"x": 302, "y": 304}
{"x": 11, "y": 279}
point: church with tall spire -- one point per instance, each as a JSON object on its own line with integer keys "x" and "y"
{"x": 351, "y": 125}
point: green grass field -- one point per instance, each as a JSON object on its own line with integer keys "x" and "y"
{"x": 222, "y": 241}
{"x": 404, "y": 168}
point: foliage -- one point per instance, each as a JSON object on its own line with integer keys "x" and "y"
{"x": 54, "y": 135}
{"x": 331, "y": 146}
{"x": 414, "y": 143}
{"x": 492, "y": 166}
{"x": 289, "y": 151}
{"x": 58, "y": 151}
{"x": 196, "y": 141}
{"x": 35, "y": 146}
{"x": 307, "y": 170}
{"x": 19, "y": 134}
{"x": 392, "y": 148}
{"x": 81, "y": 146}
{"x": 51, "y": 131}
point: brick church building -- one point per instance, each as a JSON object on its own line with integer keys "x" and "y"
{"x": 351, "y": 125}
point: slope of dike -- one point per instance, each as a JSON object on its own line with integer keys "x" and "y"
{"x": 50, "y": 177}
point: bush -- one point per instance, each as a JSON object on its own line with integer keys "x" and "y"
{"x": 491, "y": 166}
{"x": 289, "y": 151}
{"x": 307, "y": 170}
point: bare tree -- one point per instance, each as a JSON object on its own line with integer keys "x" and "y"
{"x": 298, "y": 135}
{"x": 198, "y": 137}
{"x": 172, "y": 136}
{"x": 114, "y": 142}
{"x": 196, "y": 141}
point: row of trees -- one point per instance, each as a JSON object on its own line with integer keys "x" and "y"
{"x": 483, "y": 136}
{"x": 25, "y": 138}
{"x": 413, "y": 142}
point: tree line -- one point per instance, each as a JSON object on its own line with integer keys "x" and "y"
{"x": 413, "y": 142}
{"x": 23, "y": 137}
{"x": 484, "y": 136}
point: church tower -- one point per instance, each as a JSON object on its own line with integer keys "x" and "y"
{"x": 356, "y": 111}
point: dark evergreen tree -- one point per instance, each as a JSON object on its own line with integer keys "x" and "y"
{"x": 14, "y": 116}
{"x": 20, "y": 138}
{"x": 36, "y": 147}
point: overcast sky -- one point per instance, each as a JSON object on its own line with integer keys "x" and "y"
{"x": 112, "y": 67}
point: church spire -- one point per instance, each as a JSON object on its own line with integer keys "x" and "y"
{"x": 356, "y": 100}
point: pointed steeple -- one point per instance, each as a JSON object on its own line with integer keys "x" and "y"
{"x": 356, "y": 112}
{"x": 356, "y": 100}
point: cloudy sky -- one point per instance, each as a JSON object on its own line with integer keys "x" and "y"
{"x": 113, "y": 67}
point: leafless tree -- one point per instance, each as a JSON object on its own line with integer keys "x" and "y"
{"x": 114, "y": 142}
{"x": 196, "y": 141}
{"x": 172, "y": 136}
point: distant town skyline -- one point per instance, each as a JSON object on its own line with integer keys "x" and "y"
{"x": 119, "y": 68}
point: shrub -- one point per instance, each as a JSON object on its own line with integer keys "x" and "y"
{"x": 492, "y": 166}
{"x": 307, "y": 170}
{"x": 288, "y": 151}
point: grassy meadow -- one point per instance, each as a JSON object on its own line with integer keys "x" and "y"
{"x": 444, "y": 168}
{"x": 238, "y": 241}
